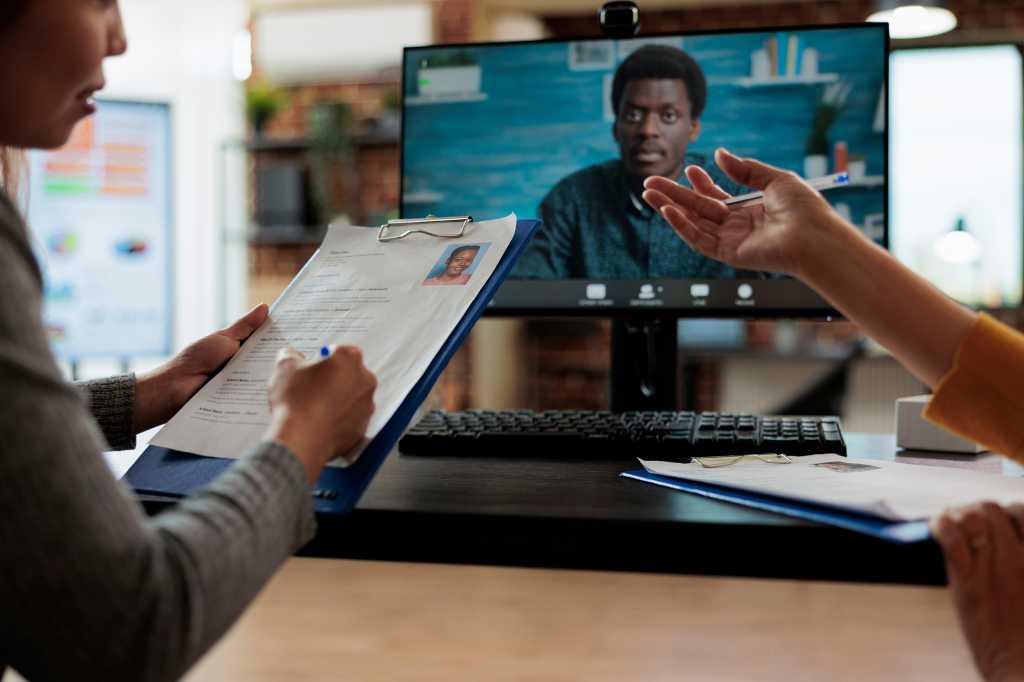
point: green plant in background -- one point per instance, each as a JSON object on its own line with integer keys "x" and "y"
{"x": 391, "y": 101}
{"x": 262, "y": 101}
{"x": 329, "y": 135}
{"x": 831, "y": 105}
{"x": 388, "y": 122}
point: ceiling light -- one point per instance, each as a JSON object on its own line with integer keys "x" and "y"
{"x": 958, "y": 246}
{"x": 915, "y": 18}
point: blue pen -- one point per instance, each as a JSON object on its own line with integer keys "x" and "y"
{"x": 324, "y": 351}
{"x": 820, "y": 184}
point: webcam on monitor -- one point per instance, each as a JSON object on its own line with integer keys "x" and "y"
{"x": 620, "y": 19}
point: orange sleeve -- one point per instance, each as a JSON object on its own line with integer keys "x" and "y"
{"x": 982, "y": 397}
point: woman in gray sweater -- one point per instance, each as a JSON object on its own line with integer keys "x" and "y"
{"x": 90, "y": 588}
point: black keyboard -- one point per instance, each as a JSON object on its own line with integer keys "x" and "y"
{"x": 583, "y": 434}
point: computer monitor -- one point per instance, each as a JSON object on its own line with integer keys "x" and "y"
{"x": 565, "y": 130}
{"x": 957, "y": 190}
{"x": 100, "y": 213}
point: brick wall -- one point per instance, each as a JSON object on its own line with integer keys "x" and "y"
{"x": 374, "y": 175}
{"x": 373, "y": 181}
{"x": 565, "y": 364}
{"x": 366, "y": 99}
{"x": 456, "y": 20}
{"x": 734, "y": 16}
{"x": 976, "y": 17}
{"x": 272, "y": 266}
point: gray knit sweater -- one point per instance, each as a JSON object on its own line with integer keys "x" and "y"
{"x": 90, "y": 588}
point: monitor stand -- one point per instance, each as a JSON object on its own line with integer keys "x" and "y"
{"x": 644, "y": 364}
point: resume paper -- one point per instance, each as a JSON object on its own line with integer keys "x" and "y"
{"x": 398, "y": 301}
{"x": 891, "y": 490}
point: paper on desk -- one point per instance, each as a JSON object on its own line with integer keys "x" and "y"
{"x": 891, "y": 490}
{"x": 384, "y": 298}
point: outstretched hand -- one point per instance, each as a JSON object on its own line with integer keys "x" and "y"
{"x": 771, "y": 236}
{"x": 163, "y": 391}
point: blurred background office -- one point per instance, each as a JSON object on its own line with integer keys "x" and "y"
{"x": 233, "y": 131}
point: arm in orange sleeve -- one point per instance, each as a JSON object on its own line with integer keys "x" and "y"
{"x": 982, "y": 397}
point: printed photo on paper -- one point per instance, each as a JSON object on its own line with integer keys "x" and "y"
{"x": 456, "y": 265}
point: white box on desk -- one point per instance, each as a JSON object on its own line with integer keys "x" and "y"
{"x": 914, "y": 432}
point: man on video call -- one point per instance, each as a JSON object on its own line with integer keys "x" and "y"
{"x": 596, "y": 226}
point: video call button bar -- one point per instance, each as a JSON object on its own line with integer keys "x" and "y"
{"x": 623, "y": 295}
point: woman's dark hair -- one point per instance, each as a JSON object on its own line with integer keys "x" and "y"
{"x": 460, "y": 250}
{"x": 10, "y": 159}
{"x": 11, "y": 10}
{"x": 662, "y": 62}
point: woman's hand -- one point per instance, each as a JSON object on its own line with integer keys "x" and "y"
{"x": 775, "y": 236}
{"x": 163, "y": 391}
{"x": 984, "y": 549}
{"x": 320, "y": 409}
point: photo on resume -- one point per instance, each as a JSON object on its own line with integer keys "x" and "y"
{"x": 456, "y": 265}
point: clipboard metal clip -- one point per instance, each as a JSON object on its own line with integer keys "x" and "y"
{"x": 384, "y": 236}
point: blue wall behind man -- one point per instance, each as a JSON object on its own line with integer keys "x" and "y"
{"x": 542, "y": 120}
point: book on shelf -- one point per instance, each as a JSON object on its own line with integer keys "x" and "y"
{"x": 784, "y": 55}
{"x": 793, "y": 55}
{"x": 772, "y": 45}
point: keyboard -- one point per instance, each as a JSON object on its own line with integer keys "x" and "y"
{"x": 585, "y": 434}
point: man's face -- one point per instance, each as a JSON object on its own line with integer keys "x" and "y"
{"x": 458, "y": 263}
{"x": 654, "y": 127}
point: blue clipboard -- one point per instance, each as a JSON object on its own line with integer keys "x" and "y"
{"x": 171, "y": 473}
{"x": 899, "y": 532}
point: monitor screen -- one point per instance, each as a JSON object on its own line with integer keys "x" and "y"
{"x": 958, "y": 112}
{"x": 565, "y": 131}
{"x": 100, "y": 213}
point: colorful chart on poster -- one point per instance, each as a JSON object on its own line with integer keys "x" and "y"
{"x": 100, "y": 213}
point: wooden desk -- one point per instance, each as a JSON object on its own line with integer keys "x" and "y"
{"x": 581, "y": 514}
{"x": 357, "y": 620}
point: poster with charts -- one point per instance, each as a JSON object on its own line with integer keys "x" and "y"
{"x": 99, "y": 210}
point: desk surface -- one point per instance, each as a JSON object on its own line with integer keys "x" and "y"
{"x": 583, "y": 515}
{"x": 360, "y": 620}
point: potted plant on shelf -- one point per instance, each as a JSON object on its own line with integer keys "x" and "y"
{"x": 329, "y": 135}
{"x": 262, "y": 101}
{"x": 387, "y": 124}
{"x": 832, "y": 103}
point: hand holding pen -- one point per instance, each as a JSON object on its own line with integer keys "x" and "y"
{"x": 789, "y": 226}
{"x": 320, "y": 409}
